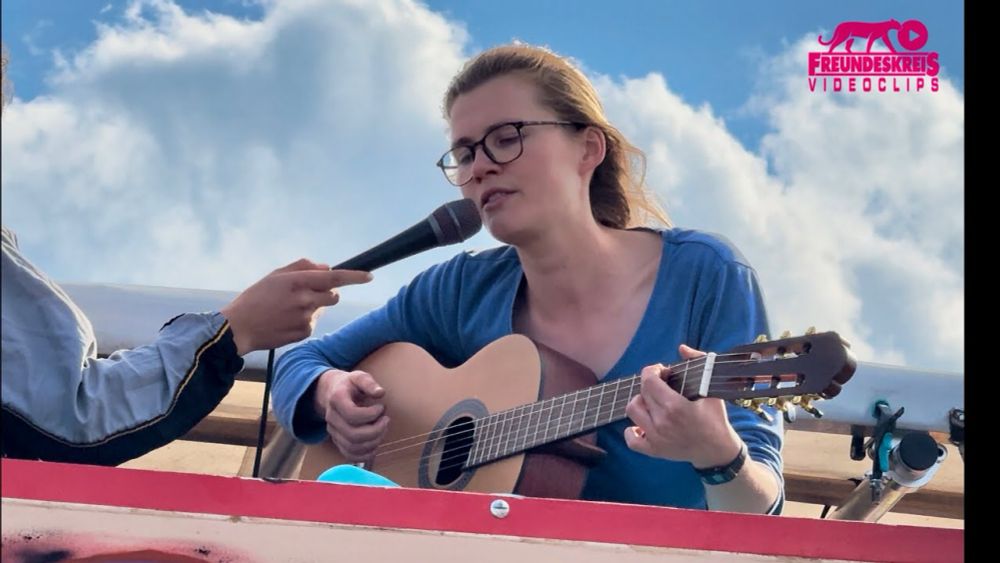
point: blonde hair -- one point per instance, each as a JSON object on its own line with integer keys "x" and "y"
{"x": 619, "y": 197}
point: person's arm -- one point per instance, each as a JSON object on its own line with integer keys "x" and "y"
{"x": 61, "y": 403}
{"x": 735, "y": 314}
{"x": 107, "y": 411}
{"x": 707, "y": 432}
{"x": 424, "y": 312}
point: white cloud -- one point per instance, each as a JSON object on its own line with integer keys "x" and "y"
{"x": 203, "y": 150}
{"x": 858, "y": 224}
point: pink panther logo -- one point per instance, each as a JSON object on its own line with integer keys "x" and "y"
{"x": 873, "y": 31}
{"x": 908, "y": 69}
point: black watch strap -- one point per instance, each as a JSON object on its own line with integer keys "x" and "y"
{"x": 724, "y": 473}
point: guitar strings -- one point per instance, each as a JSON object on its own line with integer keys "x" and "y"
{"x": 615, "y": 386}
{"x": 604, "y": 385}
{"x": 385, "y": 453}
{"x": 457, "y": 457}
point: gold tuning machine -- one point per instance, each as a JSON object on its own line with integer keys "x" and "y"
{"x": 783, "y": 405}
{"x": 758, "y": 409}
{"x": 806, "y": 404}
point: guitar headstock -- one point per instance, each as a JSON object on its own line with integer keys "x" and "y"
{"x": 791, "y": 371}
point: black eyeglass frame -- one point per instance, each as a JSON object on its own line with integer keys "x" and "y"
{"x": 518, "y": 125}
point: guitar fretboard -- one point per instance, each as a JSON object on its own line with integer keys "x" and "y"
{"x": 519, "y": 429}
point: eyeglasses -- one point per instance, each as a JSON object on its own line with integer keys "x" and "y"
{"x": 503, "y": 143}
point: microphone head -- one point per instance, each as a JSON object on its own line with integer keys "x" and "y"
{"x": 455, "y": 221}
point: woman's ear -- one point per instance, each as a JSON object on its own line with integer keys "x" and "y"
{"x": 594, "y": 148}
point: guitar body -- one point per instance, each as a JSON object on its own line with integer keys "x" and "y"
{"x": 424, "y": 400}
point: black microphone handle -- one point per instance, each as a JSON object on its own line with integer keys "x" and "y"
{"x": 416, "y": 239}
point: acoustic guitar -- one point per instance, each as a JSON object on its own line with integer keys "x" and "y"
{"x": 519, "y": 417}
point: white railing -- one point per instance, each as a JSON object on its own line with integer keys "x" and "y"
{"x": 125, "y": 316}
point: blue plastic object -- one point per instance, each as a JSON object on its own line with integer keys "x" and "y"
{"x": 354, "y": 475}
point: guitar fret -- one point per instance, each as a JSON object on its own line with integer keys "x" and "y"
{"x": 565, "y": 416}
{"x": 498, "y": 442}
{"x": 583, "y": 413}
{"x": 529, "y": 427}
{"x": 614, "y": 401}
{"x": 491, "y": 426}
{"x": 536, "y": 423}
{"x": 508, "y": 429}
{"x": 550, "y": 415}
{"x": 495, "y": 443}
{"x": 522, "y": 432}
{"x": 544, "y": 419}
{"x": 479, "y": 438}
{"x": 516, "y": 425}
{"x": 559, "y": 421}
{"x": 579, "y": 412}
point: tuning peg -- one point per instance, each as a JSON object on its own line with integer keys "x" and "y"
{"x": 807, "y": 406}
{"x": 810, "y": 331}
{"x": 786, "y": 334}
{"x": 789, "y": 416}
{"x": 787, "y": 408}
{"x": 760, "y": 338}
{"x": 759, "y": 411}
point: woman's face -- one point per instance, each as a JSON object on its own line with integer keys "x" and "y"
{"x": 538, "y": 188}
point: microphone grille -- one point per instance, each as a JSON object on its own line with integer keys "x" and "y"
{"x": 456, "y": 221}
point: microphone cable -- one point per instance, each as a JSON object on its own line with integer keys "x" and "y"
{"x": 263, "y": 413}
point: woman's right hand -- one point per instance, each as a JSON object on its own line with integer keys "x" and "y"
{"x": 351, "y": 404}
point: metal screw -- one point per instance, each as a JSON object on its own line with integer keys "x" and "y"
{"x": 499, "y": 508}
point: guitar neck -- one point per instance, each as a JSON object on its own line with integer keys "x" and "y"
{"x": 522, "y": 428}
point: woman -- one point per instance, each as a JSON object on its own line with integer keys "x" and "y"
{"x": 553, "y": 180}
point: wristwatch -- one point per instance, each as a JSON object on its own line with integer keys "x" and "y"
{"x": 724, "y": 473}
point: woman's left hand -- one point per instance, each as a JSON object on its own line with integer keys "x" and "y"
{"x": 670, "y": 426}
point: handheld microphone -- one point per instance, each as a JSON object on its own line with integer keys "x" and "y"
{"x": 453, "y": 222}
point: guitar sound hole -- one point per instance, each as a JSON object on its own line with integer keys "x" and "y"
{"x": 457, "y": 444}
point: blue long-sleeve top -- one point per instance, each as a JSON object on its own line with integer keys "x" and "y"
{"x": 705, "y": 295}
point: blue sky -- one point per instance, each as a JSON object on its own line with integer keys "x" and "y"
{"x": 707, "y": 49}
{"x": 201, "y": 144}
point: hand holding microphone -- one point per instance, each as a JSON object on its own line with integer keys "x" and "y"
{"x": 282, "y": 307}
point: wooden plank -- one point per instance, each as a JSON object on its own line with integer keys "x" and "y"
{"x": 231, "y": 424}
{"x": 831, "y": 490}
